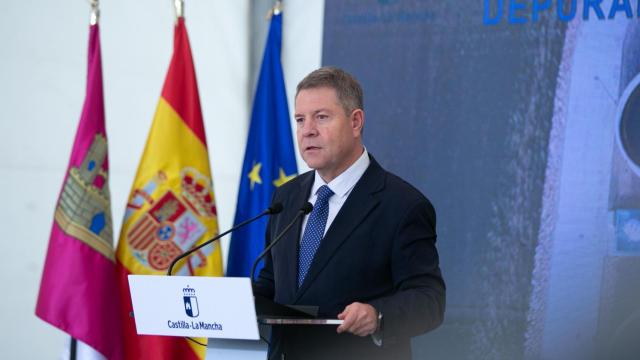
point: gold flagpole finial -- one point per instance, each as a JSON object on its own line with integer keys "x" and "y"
{"x": 275, "y": 10}
{"x": 95, "y": 12}
{"x": 179, "y": 6}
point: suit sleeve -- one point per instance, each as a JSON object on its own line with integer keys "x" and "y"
{"x": 418, "y": 302}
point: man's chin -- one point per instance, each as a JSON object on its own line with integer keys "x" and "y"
{"x": 313, "y": 166}
{"x": 313, "y": 161}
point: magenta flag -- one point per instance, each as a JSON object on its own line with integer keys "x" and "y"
{"x": 78, "y": 291}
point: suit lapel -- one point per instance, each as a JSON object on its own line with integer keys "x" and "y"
{"x": 292, "y": 238}
{"x": 355, "y": 209}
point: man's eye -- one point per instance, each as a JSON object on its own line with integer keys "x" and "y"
{"x": 323, "y": 116}
{"x": 299, "y": 120}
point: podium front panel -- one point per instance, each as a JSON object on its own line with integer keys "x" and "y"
{"x": 196, "y": 306}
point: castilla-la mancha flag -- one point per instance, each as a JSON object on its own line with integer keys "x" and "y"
{"x": 171, "y": 206}
{"x": 78, "y": 287}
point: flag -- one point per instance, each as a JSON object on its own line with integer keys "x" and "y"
{"x": 269, "y": 158}
{"x": 79, "y": 278}
{"x": 171, "y": 206}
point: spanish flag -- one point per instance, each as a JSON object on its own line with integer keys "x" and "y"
{"x": 171, "y": 207}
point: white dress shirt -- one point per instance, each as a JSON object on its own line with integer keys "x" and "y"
{"x": 341, "y": 187}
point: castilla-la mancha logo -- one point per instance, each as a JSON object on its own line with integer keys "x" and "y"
{"x": 190, "y": 302}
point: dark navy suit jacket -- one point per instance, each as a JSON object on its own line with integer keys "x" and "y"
{"x": 380, "y": 250}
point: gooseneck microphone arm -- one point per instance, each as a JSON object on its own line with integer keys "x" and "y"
{"x": 304, "y": 210}
{"x": 271, "y": 210}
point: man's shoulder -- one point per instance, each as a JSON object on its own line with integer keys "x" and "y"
{"x": 401, "y": 191}
{"x": 294, "y": 184}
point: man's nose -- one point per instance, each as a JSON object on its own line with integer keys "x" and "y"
{"x": 308, "y": 128}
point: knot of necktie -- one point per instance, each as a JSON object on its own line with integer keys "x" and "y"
{"x": 324, "y": 193}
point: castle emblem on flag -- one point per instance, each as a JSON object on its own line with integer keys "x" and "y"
{"x": 173, "y": 221}
{"x": 190, "y": 302}
{"x": 83, "y": 210}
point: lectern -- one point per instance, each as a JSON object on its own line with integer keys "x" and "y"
{"x": 221, "y": 309}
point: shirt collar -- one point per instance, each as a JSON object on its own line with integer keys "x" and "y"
{"x": 344, "y": 182}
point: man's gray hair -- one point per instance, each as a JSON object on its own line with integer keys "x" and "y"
{"x": 347, "y": 88}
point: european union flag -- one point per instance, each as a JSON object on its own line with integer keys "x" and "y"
{"x": 269, "y": 159}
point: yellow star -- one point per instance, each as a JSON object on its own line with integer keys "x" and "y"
{"x": 283, "y": 178}
{"x": 254, "y": 174}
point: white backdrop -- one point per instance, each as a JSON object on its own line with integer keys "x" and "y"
{"x": 43, "y": 73}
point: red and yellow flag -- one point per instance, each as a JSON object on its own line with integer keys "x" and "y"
{"x": 171, "y": 207}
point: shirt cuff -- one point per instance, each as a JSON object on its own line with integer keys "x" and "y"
{"x": 377, "y": 335}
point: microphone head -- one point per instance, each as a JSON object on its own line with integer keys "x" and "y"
{"x": 275, "y": 208}
{"x": 306, "y": 208}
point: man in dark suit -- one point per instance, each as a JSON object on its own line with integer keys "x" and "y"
{"x": 366, "y": 254}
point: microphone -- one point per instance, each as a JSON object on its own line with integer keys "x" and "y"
{"x": 304, "y": 210}
{"x": 275, "y": 208}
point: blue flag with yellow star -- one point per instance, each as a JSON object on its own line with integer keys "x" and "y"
{"x": 269, "y": 159}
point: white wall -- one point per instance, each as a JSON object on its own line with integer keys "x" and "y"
{"x": 43, "y": 71}
{"x": 302, "y": 24}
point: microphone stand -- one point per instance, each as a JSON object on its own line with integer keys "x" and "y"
{"x": 305, "y": 209}
{"x": 273, "y": 209}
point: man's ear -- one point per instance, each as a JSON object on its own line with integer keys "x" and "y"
{"x": 357, "y": 121}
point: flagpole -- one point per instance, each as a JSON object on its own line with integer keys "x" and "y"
{"x": 93, "y": 20}
{"x": 178, "y": 5}
{"x": 95, "y": 12}
{"x": 73, "y": 348}
{"x": 275, "y": 10}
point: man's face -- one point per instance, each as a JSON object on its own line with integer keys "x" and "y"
{"x": 328, "y": 139}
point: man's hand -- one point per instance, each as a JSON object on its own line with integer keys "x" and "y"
{"x": 359, "y": 319}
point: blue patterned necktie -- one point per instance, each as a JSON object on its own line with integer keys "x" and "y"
{"x": 313, "y": 232}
